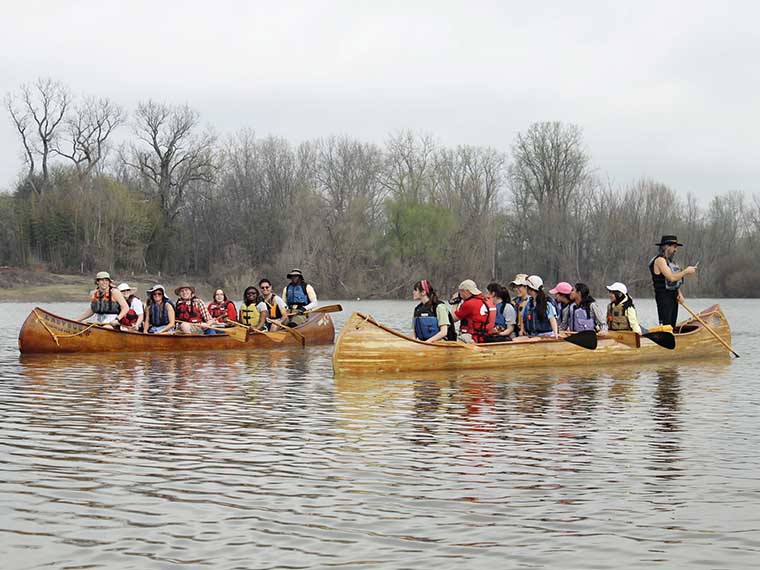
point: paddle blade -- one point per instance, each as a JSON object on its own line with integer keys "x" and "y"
{"x": 325, "y": 309}
{"x": 662, "y": 338}
{"x": 238, "y": 333}
{"x": 584, "y": 339}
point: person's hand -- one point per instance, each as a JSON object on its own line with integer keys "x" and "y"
{"x": 300, "y": 310}
{"x": 691, "y": 270}
{"x": 679, "y": 296}
{"x": 455, "y": 299}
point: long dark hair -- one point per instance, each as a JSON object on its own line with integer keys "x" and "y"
{"x": 500, "y": 291}
{"x": 541, "y": 301}
{"x": 425, "y": 287}
{"x": 586, "y": 298}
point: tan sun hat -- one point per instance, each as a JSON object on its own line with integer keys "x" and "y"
{"x": 184, "y": 286}
{"x": 469, "y": 285}
{"x": 103, "y": 275}
{"x": 519, "y": 280}
{"x": 295, "y": 272}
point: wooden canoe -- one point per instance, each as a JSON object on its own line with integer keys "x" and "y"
{"x": 44, "y": 332}
{"x": 365, "y": 345}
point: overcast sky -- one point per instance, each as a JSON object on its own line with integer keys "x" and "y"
{"x": 662, "y": 90}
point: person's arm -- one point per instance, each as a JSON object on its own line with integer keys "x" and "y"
{"x": 206, "y": 320}
{"x": 662, "y": 265}
{"x": 140, "y": 312}
{"x": 633, "y": 320}
{"x": 146, "y": 322}
{"x": 510, "y": 316}
{"x": 170, "y": 314}
{"x": 313, "y": 302}
{"x": 263, "y": 314}
{"x": 551, "y": 313}
{"x": 283, "y": 308}
{"x": 123, "y": 306}
{"x": 601, "y": 318}
{"x": 231, "y": 312}
{"x": 89, "y": 312}
{"x": 442, "y": 316}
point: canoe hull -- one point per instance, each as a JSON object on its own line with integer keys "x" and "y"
{"x": 367, "y": 346}
{"x": 44, "y": 332}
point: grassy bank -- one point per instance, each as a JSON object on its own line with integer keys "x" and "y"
{"x": 26, "y": 285}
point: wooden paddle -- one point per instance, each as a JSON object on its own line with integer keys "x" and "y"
{"x": 292, "y": 332}
{"x": 326, "y": 309}
{"x": 237, "y": 334}
{"x": 630, "y": 338}
{"x": 712, "y": 332}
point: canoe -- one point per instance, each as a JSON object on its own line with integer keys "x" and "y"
{"x": 364, "y": 345}
{"x": 44, "y": 332}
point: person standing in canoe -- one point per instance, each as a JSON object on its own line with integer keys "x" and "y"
{"x": 539, "y": 315}
{"x": 192, "y": 312}
{"x": 476, "y": 313}
{"x": 667, "y": 278}
{"x": 432, "y": 320}
{"x": 159, "y": 312}
{"x": 133, "y": 320}
{"x": 277, "y": 309}
{"x": 107, "y": 304}
{"x": 621, "y": 314}
{"x": 299, "y": 296}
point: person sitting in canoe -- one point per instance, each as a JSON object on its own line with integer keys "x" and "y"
{"x": 159, "y": 313}
{"x": 520, "y": 286}
{"x": 476, "y": 313}
{"x": 432, "y": 320}
{"x": 221, "y": 309}
{"x": 539, "y": 315}
{"x": 299, "y": 296}
{"x": 278, "y": 310}
{"x": 506, "y": 316}
{"x": 253, "y": 310}
{"x": 562, "y": 302}
{"x": 191, "y": 312}
{"x": 133, "y": 320}
{"x": 621, "y": 313}
{"x": 107, "y": 304}
{"x": 585, "y": 314}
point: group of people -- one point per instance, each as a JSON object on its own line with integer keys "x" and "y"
{"x": 261, "y": 309}
{"x": 525, "y": 310}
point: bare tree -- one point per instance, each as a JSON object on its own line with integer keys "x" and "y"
{"x": 88, "y": 129}
{"x": 37, "y": 112}
{"x": 171, "y": 155}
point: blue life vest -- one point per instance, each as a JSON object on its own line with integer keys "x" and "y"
{"x": 159, "y": 316}
{"x": 500, "y": 320}
{"x": 426, "y": 323}
{"x": 295, "y": 295}
{"x": 531, "y": 322}
{"x": 581, "y": 318}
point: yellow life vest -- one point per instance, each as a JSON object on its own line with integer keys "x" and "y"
{"x": 249, "y": 315}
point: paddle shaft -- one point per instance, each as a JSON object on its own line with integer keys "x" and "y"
{"x": 295, "y": 333}
{"x": 326, "y": 309}
{"x": 709, "y": 329}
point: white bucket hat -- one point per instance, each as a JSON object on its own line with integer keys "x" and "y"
{"x": 124, "y": 287}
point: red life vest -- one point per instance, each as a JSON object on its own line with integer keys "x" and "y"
{"x": 131, "y": 317}
{"x": 217, "y": 310}
{"x": 187, "y": 311}
{"x": 481, "y": 325}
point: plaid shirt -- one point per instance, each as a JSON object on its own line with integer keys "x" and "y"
{"x": 201, "y": 306}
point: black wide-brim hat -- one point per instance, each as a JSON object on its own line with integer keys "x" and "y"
{"x": 668, "y": 240}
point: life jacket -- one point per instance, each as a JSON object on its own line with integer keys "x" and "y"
{"x": 249, "y": 315}
{"x": 581, "y": 318}
{"x": 217, "y": 310}
{"x": 159, "y": 314}
{"x": 484, "y": 326}
{"x": 500, "y": 320}
{"x": 131, "y": 317}
{"x": 616, "y": 317}
{"x": 296, "y": 296}
{"x": 426, "y": 323}
{"x": 519, "y": 304}
{"x": 188, "y": 311}
{"x": 658, "y": 281}
{"x": 274, "y": 309}
{"x": 103, "y": 304}
{"x": 532, "y": 322}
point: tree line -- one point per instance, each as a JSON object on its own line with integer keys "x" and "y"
{"x": 360, "y": 219}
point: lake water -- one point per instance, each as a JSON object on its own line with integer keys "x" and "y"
{"x": 263, "y": 460}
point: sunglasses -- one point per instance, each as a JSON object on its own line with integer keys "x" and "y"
{"x": 266, "y": 287}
